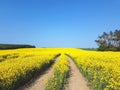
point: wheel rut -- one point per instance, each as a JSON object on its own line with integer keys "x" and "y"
{"x": 76, "y": 81}
{"x": 40, "y": 82}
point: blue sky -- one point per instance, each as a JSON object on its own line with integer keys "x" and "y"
{"x": 57, "y": 23}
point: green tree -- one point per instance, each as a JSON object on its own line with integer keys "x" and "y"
{"x": 109, "y": 41}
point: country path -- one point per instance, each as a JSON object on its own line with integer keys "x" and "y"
{"x": 40, "y": 82}
{"x": 76, "y": 81}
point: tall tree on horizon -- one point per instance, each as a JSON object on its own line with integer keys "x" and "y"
{"x": 109, "y": 41}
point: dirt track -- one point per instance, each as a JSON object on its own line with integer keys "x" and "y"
{"x": 41, "y": 81}
{"x": 76, "y": 81}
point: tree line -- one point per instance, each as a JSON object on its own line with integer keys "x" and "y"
{"x": 109, "y": 41}
{"x": 15, "y": 46}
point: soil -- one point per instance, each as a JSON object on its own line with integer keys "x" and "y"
{"x": 76, "y": 81}
{"x": 40, "y": 82}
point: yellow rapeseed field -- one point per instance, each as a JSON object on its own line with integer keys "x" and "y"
{"x": 14, "y": 72}
{"x": 102, "y": 69}
{"x": 60, "y": 74}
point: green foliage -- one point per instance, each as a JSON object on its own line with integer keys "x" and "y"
{"x": 15, "y": 46}
{"x": 109, "y": 41}
{"x": 89, "y": 49}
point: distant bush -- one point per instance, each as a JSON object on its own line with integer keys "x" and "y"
{"x": 15, "y": 46}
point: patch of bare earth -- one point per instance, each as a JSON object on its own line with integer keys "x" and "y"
{"x": 76, "y": 81}
{"x": 40, "y": 82}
